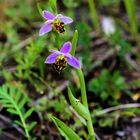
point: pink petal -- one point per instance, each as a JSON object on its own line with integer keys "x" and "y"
{"x": 47, "y": 27}
{"x": 48, "y": 15}
{"x": 51, "y": 58}
{"x": 66, "y": 47}
{"x": 65, "y": 19}
{"x": 74, "y": 62}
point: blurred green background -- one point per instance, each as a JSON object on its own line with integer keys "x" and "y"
{"x": 108, "y": 48}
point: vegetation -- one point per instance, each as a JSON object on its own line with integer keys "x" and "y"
{"x": 89, "y": 89}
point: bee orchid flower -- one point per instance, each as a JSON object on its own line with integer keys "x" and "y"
{"x": 61, "y": 58}
{"x": 56, "y": 23}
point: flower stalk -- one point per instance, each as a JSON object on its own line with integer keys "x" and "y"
{"x": 85, "y": 103}
{"x": 83, "y": 89}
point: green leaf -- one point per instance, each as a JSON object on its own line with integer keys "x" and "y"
{"x": 94, "y": 14}
{"x": 18, "y": 95}
{"x": 130, "y": 6}
{"x": 80, "y": 108}
{"x": 5, "y": 101}
{"x": 39, "y": 9}
{"x": 12, "y": 111}
{"x": 4, "y": 89}
{"x": 11, "y": 90}
{"x": 7, "y": 97}
{"x": 106, "y": 122}
{"x": 28, "y": 113}
{"x": 71, "y": 3}
{"x": 74, "y": 42}
{"x": 128, "y": 114}
{"x": 8, "y": 105}
{"x": 53, "y": 5}
{"x": 31, "y": 126}
{"x": 66, "y": 131}
{"x": 19, "y": 123}
{"x": 22, "y": 102}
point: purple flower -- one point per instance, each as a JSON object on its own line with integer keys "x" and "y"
{"x": 61, "y": 58}
{"x": 55, "y": 23}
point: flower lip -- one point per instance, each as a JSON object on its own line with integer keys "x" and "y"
{"x": 65, "y": 51}
{"x": 58, "y": 26}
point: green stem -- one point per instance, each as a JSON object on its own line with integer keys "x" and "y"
{"x": 85, "y": 103}
{"x": 90, "y": 130}
{"x": 83, "y": 89}
{"x": 131, "y": 12}
{"x": 24, "y": 124}
{"x": 21, "y": 117}
{"x": 93, "y": 13}
{"x": 57, "y": 39}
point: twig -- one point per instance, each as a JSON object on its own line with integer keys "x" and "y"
{"x": 119, "y": 107}
{"x": 77, "y": 115}
{"x": 23, "y": 43}
{"x": 8, "y": 121}
{"x": 102, "y": 58}
{"x": 132, "y": 62}
{"x": 50, "y": 95}
{"x": 12, "y": 137}
{"x": 97, "y": 137}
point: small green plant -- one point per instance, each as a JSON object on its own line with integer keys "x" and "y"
{"x": 108, "y": 86}
{"x": 14, "y": 101}
{"x": 61, "y": 97}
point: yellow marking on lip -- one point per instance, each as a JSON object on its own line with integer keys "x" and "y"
{"x": 60, "y": 63}
{"x": 58, "y": 26}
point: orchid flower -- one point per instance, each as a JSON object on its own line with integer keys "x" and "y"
{"x": 56, "y": 23}
{"x": 61, "y": 58}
